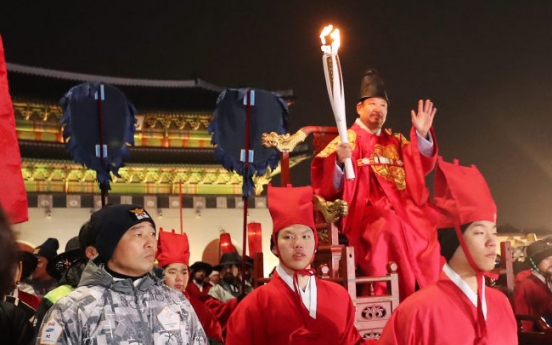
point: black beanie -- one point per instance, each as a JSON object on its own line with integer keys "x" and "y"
{"x": 111, "y": 223}
{"x": 449, "y": 241}
{"x": 48, "y": 249}
{"x": 28, "y": 264}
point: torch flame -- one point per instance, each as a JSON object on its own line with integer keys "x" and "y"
{"x": 331, "y": 35}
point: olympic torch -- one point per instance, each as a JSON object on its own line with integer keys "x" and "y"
{"x": 334, "y": 82}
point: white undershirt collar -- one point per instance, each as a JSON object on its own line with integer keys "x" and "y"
{"x": 309, "y": 296}
{"x": 465, "y": 288}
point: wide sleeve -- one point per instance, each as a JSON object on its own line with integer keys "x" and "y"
{"x": 521, "y": 303}
{"x": 222, "y": 311}
{"x": 244, "y": 326}
{"x": 417, "y": 166}
{"x": 323, "y": 169}
{"x": 405, "y": 327}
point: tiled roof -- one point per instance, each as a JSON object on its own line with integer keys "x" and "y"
{"x": 40, "y": 84}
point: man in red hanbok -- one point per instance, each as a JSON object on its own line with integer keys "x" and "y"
{"x": 458, "y": 308}
{"x": 173, "y": 255}
{"x": 533, "y": 295}
{"x": 197, "y": 286}
{"x": 295, "y": 307}
{"x": 387, "y": 200}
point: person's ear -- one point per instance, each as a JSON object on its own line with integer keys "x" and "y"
{"x": 273, "y": 250}
{"x": 90, "y": 252}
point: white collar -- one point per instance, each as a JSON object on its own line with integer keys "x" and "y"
{"x": 542, "y": 278}
{"x": 309, "y": 296}
{"x": 465, "y": 288}
{"x": 363, "y": 126}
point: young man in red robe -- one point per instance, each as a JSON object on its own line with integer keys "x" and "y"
{"x": 533, "y": 295}
{"x": 458, "y": 308}
{"x": 173, "y": 255}
{"x": 387, "y": 200}
{"x": 295, "y": 307}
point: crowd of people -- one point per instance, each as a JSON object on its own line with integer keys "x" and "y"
{"x": 120, "y": 280}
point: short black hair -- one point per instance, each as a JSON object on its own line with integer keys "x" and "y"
{"x": 449, "y": 240}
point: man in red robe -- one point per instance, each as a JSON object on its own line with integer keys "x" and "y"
{"x": 294, "y": 307}
{"x": 458, "y": 308}
{"x": 387, "y": 200}
{"x": 533, "y": 295}
{"x": 173, "y": 255}
{"x": 198, "y": 287}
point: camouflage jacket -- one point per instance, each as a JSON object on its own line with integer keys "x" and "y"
{"x": 104, "y": 311}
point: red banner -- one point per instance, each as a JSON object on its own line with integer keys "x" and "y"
{"x": 13, "y": 197}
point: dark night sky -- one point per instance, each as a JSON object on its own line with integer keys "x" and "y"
{"x": 486, "y": 65}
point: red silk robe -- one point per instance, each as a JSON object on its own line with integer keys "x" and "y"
{"x": 193, "y": 290}
{"x": 208, "y": 320}
{"x": 388, "y": 210}
{"x": 442, "y": 314}
{"x": 274, "y": 314}
{"x": 221, "y": 310}
{"x": 532, "y": 297}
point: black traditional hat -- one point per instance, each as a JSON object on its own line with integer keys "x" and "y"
{"x": 232, "y": 258}
{"x": 539, "y": 250}
{"x": 371, "y": 85}
{"x": 202, "y": 266}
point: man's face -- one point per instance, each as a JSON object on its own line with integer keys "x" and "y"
{"x": 135, "y": 252}
{"x": 40, "y": 272}
{"x": 176, "y": 276}
{"x": 372, "y": 112}
{"x": 296, "y": 246}
{"x": 199, "y": 276}
{"x": 248, "y": 273}
{"x": 481, "y": 241}
{"x": 215, "y": 278}
{"x": 545, "y": 266}
{"x": 229, "y": 273}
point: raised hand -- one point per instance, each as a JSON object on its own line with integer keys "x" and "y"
{"x": 423, "y": 120}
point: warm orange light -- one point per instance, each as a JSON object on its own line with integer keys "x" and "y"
{"x": 255, "y": 238}
{"x": 226, "y": 243}
{"x": 331, "y": 40}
